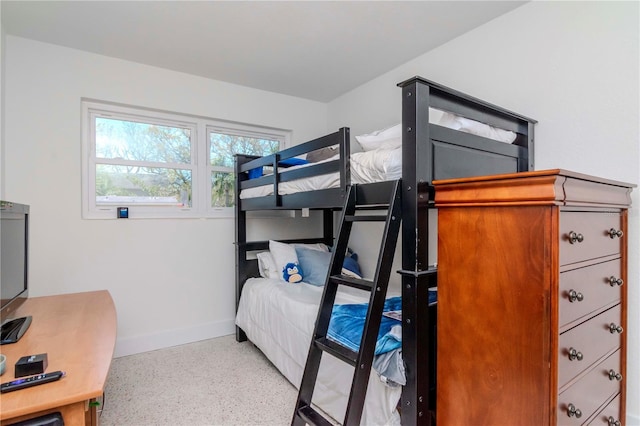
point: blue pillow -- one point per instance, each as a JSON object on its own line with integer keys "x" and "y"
{"x": 255, "y": 173}
{"x": 292, "y": 162}
{"x": 315, "y": 264}
{"x": 351, "y": 264}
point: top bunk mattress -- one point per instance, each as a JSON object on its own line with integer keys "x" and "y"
{"x": 366, "y": 167}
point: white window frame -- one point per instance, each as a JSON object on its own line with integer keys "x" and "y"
{"x": 200, "y": 165}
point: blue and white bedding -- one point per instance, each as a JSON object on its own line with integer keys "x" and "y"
{"x": 346, "y": 327}
{"x": 279, "y": 318}
{"x": 366, "y": 167}
{"x": 347, "y": 322}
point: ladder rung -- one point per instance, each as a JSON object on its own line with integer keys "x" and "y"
{"x": 432, "y": 270}
{"x": 370, "y": 207}
{"x": 358, "y": 283}
{"x": 312, "y": 417}
{"x": 366, "y": 218}
{"x": 336, "y": 349}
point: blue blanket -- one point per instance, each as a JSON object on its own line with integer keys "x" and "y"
{"x": 347, "y": 323}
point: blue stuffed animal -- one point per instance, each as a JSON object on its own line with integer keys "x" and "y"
{"x": 292, "y": 273}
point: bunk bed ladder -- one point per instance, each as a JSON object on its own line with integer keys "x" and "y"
{"x": 362, "y": 359}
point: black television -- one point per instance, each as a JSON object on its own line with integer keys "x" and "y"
{"x": 14, "y": 269}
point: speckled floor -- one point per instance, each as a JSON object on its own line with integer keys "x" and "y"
{"x": 213, "y": 382}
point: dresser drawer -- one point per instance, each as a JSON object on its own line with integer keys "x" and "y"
{"x": 585, "y": 235}
{"x": 589, "y": 342}
{"x": 586, "y": 290}
{"x": 589, "y": 393}
{"x": 609, "y": 415}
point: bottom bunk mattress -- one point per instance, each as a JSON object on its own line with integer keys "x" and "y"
{"x": 279, "y": 318}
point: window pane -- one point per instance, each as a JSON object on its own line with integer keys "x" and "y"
{"x": 222, "y": 189}
{"x": 224, "y": 146}
{"x": 129, "y": 140}
{"x": 142, "y": 185}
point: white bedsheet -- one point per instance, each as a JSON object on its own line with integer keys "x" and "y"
{"x": 366, "y": 167}
{"x": 279, "y": 318}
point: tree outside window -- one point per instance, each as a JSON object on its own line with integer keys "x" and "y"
{"x": 223, "y": 146}
{"x": 135, "y": 159}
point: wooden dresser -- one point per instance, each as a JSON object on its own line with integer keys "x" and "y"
{"x": 532, "y": 307}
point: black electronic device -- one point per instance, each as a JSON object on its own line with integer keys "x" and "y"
{"x": 12, "y": 330}
{"x": 49, "y": 419}
{"x": 14, "y": 257}
{"x": 123, "y": 212}
{"x": 31, "y": 381}
{"x": 30, "y": 365}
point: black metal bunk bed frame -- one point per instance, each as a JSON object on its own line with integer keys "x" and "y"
{"x": 429, "y": 152}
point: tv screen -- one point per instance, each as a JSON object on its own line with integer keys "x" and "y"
{"x": 14, "y": 233}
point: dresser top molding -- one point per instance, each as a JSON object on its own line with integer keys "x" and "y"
{"x": 541, "y": 187}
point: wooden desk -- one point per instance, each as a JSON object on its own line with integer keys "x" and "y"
{"x": 78, "y": 333}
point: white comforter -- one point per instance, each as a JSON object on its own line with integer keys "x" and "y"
{"x": 279, "y": 318}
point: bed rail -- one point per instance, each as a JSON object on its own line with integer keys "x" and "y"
{"x": 447, "y": 99}
{"x": 447, "y": 149}
{"x": 328, "y": 198}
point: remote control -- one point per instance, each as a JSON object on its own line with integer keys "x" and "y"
{"x": 31, "y": 381}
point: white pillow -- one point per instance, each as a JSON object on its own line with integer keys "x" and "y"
{"x": 349, "y": 273}
{"x": 467, "y": 125}
{"x": 266, "y": 265}
{"x": 389, "y": 138}
{"x": 282, "y": 255}
{"x": 316, "y": 246}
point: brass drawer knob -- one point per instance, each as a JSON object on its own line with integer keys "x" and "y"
{"x": 615, "y": 233}
{"x": 613, "y": 422}
{"x": 573, "y": 296}
{"x": 575, "y": 354}
{"x": 613, "y": 281}
{"x": 573, "y": 411}
{"x": 575, "y": 237}
{"x": 614, "y": 376}
{"x": 613, "y": 328}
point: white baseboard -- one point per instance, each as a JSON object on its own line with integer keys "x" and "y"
{"x": 175, "y": 337}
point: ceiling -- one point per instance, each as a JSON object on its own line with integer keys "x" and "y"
{"x": 316, "y": 50}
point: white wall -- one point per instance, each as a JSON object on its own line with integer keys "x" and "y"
{"x": 172, "y": 280}
{"x": 2, "y": 74}
{"x": 574, "y": 66}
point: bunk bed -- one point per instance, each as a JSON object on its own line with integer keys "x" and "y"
{"x": 428, "y": 151}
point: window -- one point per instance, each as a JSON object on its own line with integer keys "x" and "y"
{"x": 161, "y": 164}
{"x": 223, "y": 143}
